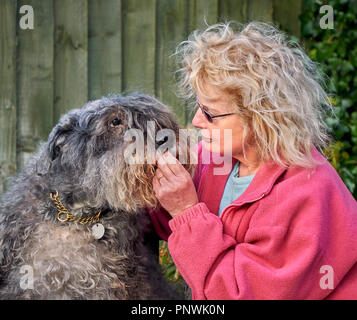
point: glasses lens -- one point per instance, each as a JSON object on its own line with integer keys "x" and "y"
{"x": 207, "y": 115}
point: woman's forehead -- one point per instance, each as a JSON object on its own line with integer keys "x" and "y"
{"x": 212, "y": 96}
{"x": 208, "y": 91}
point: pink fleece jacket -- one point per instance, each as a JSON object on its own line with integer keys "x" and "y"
{"x": 291, "y": 235}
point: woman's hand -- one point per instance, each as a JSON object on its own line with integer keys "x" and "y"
{"x": 173, "y": 185}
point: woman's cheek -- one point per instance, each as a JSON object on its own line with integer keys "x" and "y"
{"x": 226, "y": 143}
{"x": 214, "y": 145}
{"x": 222, "y": 142}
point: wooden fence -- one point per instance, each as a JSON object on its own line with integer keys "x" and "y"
{"x": 80, "y": 50}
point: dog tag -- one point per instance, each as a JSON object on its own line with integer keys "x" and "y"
{"x": 98, "y": 231}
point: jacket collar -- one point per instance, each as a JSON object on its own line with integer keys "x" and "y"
{"x": 262, "y": 183}
{"x": 212, "y": 185}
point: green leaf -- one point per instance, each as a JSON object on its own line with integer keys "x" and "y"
{"x": 346, "y": 103}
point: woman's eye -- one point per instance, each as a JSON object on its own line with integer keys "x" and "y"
{"x": 205, "y": 110}
{"x": 115, "y": 122}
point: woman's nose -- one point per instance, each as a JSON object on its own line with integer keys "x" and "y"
{"x": 199, "y": 120}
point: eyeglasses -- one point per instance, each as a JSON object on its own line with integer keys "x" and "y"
{"x": 208, "y": 116}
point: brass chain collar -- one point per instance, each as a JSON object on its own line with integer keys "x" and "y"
{"x": 62, "y": 211}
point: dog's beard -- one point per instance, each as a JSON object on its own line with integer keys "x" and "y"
{"x": 110, "y": 181}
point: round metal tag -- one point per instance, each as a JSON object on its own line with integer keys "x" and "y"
{"x": 98, "y": 230}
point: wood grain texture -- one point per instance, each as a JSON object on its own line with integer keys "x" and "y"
{"x": 71, "y": 55}
{"x": 286, "y": 13}
{"x": 7, "y": 91}
{"x": 260, "y": 10}
{"x": 139, "y": 38}
{"x": 171, "y": 30}
{"x": 206, "y": 13}
{"x": 35, "y": 80}
{"x": 236, "y": 10}
{"x": 104, "y": 47}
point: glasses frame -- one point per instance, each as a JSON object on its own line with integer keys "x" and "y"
{"x": 208, "y": 116}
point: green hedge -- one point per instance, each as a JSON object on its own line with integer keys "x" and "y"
{"x": 336, "y": 50}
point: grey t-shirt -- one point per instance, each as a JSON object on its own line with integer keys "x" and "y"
{"x": 235, "y": 186}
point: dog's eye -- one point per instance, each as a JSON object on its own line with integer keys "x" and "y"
{"x": 115, "y": 122}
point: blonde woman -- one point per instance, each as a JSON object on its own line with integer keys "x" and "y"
{"x": 281, "y": 224}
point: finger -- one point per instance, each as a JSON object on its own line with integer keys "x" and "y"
{"x": 158, "y": 173}
{"x": 160, "y": 176}
{"x": 163, "y": 181}
{"x": 155, "y": 184}
{"x": 174, "y": 165}
{"x": 165, "y": 169}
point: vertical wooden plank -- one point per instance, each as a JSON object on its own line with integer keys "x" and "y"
{"x": 202, "y": 13}
{"x": 286, "y": 13}
{"x": 35, "y": 80}
{"x": 104, "y": 47}
{"x": 139, "y": 45}
{"x": 206, "y": 13}
{"x": 71, "y": 55}
{"x": 260, "y": 10}
{"x": 171, "y": 30}
{"x": 191, "y": 16}
{"x": 7, "y": 91}
{"x": 236, "y": 10}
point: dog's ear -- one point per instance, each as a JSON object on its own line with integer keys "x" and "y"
{"x": 51, "y": 150}
{"x": 56, "y": 141}
{"x": 58, "y": 136}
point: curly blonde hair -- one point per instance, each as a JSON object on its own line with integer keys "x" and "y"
{"x": 276, "y": 89}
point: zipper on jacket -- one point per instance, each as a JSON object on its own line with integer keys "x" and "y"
{"x": 240, "y": 204}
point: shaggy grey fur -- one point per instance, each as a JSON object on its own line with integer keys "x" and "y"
{"x": 83, "y": 161}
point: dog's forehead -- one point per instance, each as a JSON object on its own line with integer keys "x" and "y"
{"x": 97, "y": 105}
{"x": 129, "y": 105}
{"x": 109, "y": 103}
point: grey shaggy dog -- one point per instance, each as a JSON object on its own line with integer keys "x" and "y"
{"x": 83, "y": 160}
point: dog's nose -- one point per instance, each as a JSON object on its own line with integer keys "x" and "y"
{"x": 161, "y": 142}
